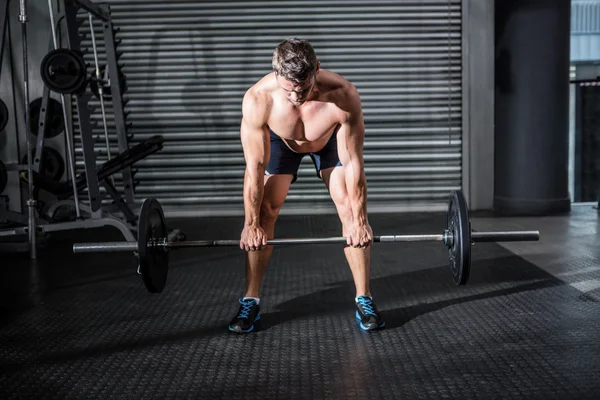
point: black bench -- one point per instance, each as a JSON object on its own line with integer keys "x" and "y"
{"x": 64, "y": 190}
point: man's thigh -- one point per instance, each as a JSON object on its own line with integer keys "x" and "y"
{"x": 275, "y": 193}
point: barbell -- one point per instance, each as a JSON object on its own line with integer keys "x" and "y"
{"x": 152, "y": 246}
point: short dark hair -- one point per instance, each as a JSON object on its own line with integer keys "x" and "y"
{"x": 295, "y": 60}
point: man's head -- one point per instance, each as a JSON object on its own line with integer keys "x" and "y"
{"x": 296, "y": 67}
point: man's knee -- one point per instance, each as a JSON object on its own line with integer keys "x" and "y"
{"x": 269, "y": 211}
{"x": 275, "y": 193}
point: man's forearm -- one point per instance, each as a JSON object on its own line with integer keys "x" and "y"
{"x": 253, "y": 195}
{"x": 356, "y": 185}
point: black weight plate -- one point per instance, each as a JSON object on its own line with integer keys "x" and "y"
{"x": 52, "y": 164}
{"x": 54, "y": 117}
{"x": 459, "y": 227}
{"x": 3, "y": 177}
{"x": 154, "y": 261}
{"x": 3, "y": 115}
{"x": 64, "y": 71}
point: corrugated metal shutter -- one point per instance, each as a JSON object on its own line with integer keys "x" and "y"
{"x": 188, "y": 65}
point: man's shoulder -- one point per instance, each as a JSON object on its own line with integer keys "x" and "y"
{"x": 264, "y": 86}
{"x": 261, "y": 93}
{"x": 337, "y": 86}
{"x": 258, "y": 100}
{"x": 340, "y": 91}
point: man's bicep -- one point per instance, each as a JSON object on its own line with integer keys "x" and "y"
{"x": 350, "y": 139}
{"x": 255, "y": 141}
{"x": 255, "y": 144}
{"x": 351, "y": 134}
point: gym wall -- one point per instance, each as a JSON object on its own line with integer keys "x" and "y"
{"x": 188, "y": 66}
{"x": 424, "y": 71}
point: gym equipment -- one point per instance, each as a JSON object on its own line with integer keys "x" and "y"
{"x": 84, "y": 108}
{"x": 54, "y": 117}
{"x": 31, "y": 201}
{"x": 93, "y": 214}
{"x": 64, "y": 71}
{"x": 3, "y": 115}
{"x": 99, "y": 88}
{"x": 154, "y": 262}
{"x": 100, "y": 83}
{"x": 152, "y": 245}
{"x": 52, "y": 163}
{"x": 63, "y": 190}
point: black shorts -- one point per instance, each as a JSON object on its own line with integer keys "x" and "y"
{"x": 285, "y": 161}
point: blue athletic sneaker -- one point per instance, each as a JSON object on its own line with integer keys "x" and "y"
{"x": 367, "y": 315}
{"x": 248, "y": 314}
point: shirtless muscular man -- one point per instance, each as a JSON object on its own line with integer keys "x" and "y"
{"x": 300, "y": 109}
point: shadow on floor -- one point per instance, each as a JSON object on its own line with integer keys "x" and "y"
{"x": 419, "y": 287}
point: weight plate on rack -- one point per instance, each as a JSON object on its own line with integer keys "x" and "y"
{"x": 154, "y": 260}
{"x": 64, "y": 71}
{"x": 54, "y": 117}
{"x": 459, "y": 228}
{"x": 52, "y": 164}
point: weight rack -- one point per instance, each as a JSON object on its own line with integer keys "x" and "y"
{"x": 71, "y": 7}
{"x": 71, "y": 17}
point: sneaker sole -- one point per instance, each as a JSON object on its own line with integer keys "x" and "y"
{"x": 365, "y": 328}
{"x": 247, "y": 330}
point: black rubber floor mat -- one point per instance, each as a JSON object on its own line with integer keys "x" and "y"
{"x": 95, "y": 333}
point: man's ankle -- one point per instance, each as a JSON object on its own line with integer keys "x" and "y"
{"x": 364, "y": 294}
{"x": 255, "y": 298}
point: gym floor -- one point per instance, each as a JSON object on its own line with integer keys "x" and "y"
{"x": 525, "y": 327}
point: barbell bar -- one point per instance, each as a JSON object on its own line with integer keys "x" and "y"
{"x": 509, "y": 236}
{"x": 152, "y": 246}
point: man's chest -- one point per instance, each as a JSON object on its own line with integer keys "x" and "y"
{"x": 305, "y": 124}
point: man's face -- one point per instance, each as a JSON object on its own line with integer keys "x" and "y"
{"x": 297, "y": 94}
